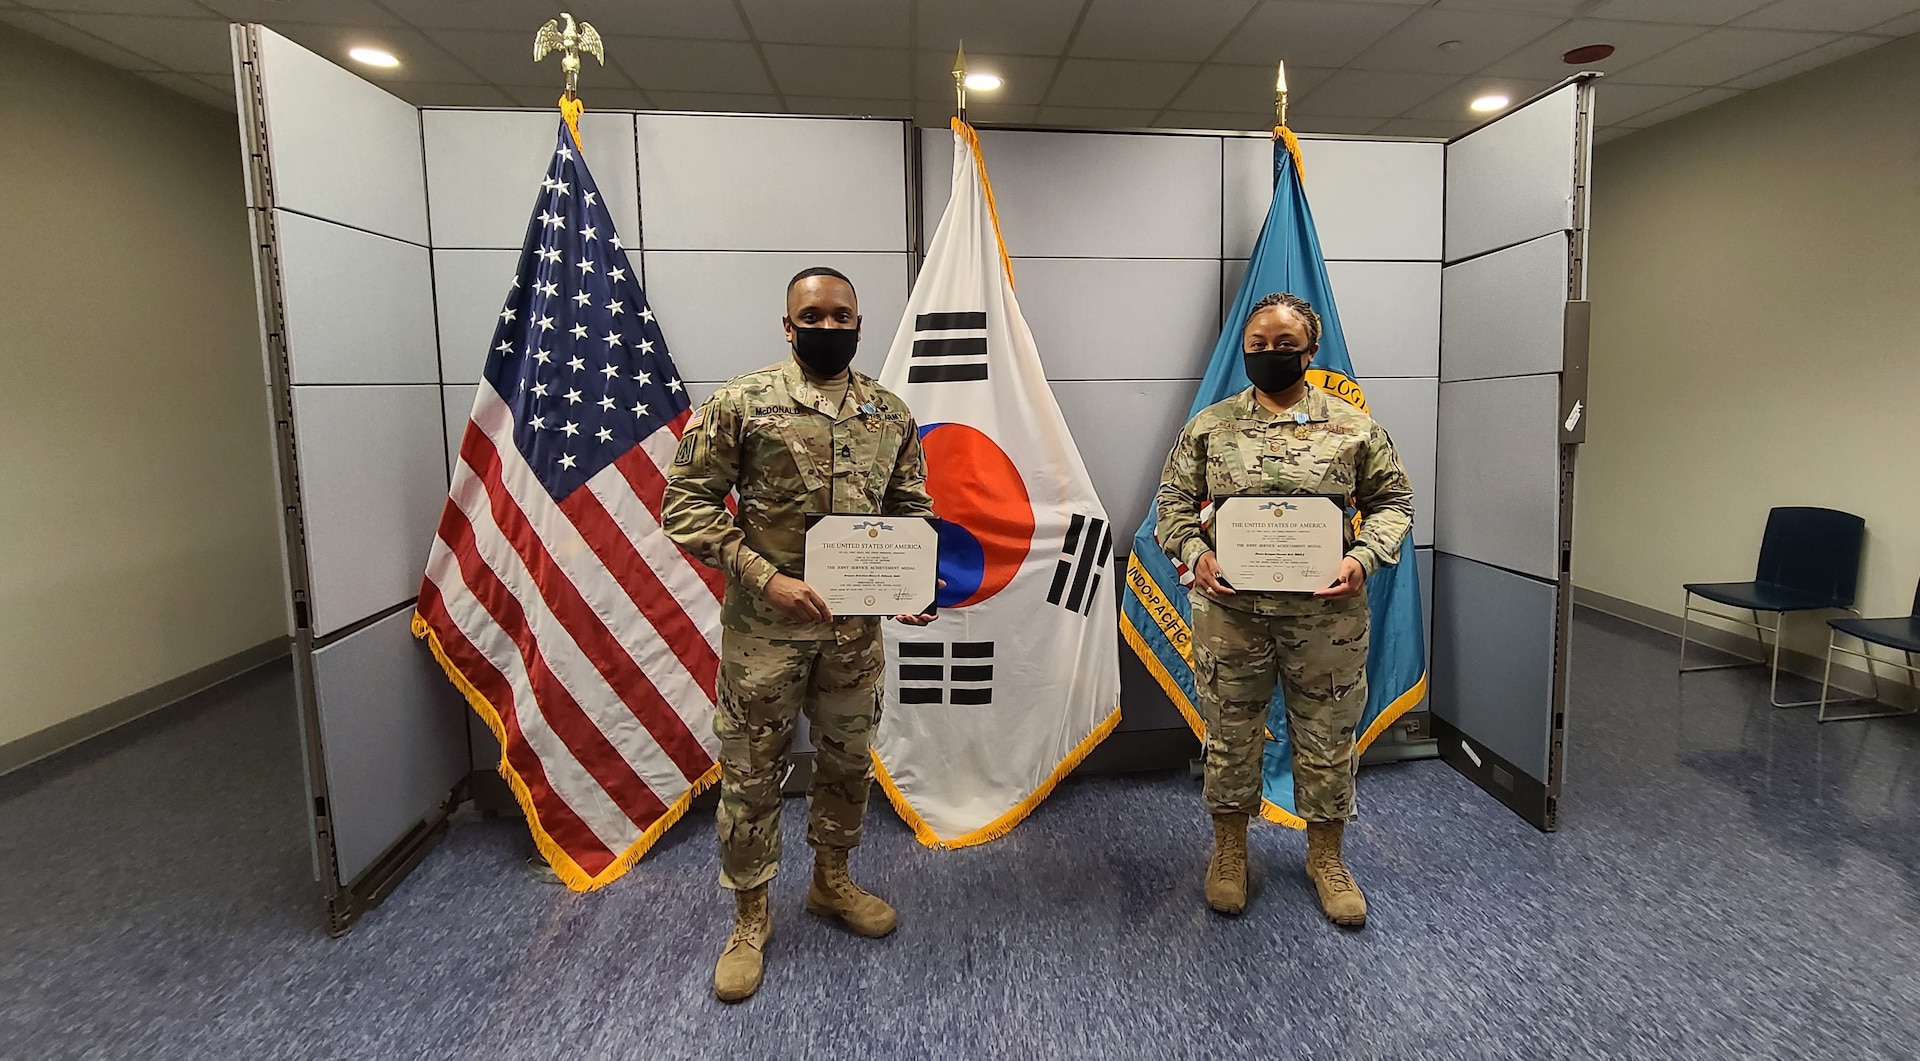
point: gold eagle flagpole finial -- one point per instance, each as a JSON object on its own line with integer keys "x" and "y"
{"x": 960, "y": 81}
{"x": 563, "y": 35}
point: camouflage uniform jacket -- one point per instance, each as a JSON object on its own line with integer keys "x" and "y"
{"x": 1322, "y": 445}
{"x": 789, "y": 449}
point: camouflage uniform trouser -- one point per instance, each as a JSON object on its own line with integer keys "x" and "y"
{"x": 764, "y": 685}
{"x": 1322, "y": 659}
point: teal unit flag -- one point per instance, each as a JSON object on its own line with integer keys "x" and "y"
{"x": 1154, "y": 613}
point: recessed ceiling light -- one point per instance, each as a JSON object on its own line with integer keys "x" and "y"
{"x": 1488, "y": 103}
{"x": 983, "y": 82}
{"x": 373, "y": 57}
{"x": 1588, "y": 53}
{"x": 1449, "y": 46}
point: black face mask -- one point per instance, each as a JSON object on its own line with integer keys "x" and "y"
{"x": 1274, "y": 371}
{"x": 825, "y": 351}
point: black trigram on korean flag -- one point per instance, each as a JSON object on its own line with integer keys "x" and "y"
{"x": 1076, "y": 578}
{"x": 959, "y": 672}
{"x": 948, "y": 348}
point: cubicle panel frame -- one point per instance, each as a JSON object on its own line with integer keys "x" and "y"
{"x": 1536, "y": 799}
{"x": 376, "y": 863}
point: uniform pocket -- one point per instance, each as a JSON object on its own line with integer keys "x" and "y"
{"x": 811, "y": 454}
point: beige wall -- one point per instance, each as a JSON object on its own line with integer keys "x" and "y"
{"x": 1756, "y": 334}
{"x": 137, "y": 530}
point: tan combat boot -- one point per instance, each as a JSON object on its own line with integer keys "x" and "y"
{"x": 1227, "y": 869}
{"x": 1339, "y": 896}
{"x": 834, "y": 894}
{"x": 737, "y": 974}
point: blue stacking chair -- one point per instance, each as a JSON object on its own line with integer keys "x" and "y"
{"x": 1902, "y": 634}
{"x": 1809, "y": 561}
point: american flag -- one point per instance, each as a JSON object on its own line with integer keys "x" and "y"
{"x": 585, "y": 637}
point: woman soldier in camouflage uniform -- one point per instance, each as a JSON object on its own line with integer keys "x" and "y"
{"x": 1283, "y": 435}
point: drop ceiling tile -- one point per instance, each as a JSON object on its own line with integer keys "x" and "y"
{"x": 1009, "y": 27}
{"x": 653, "y": 63}
{"x": 1843, "y": 15}
{"x": 189, "y": 45}
{"x": 1899, "y": 27}
{"x": 1633, "y": 42}
{"x": 850, "y": 73}
{"x": 1311, "y": 34}
{"x": 655, "y": 18}
{"x": 859, "y": 23}
{"x": 1720, "y": 55}
{"x": 1807, "y": 60}
{"x": 191, "y": 87}
{"x": 1686, "y": 12}
{"x": 1563, "y": 8}
{"x": 420, "y": 58}
{"x": 336, "y": 12}
{"x": 1611, "y": 133}
{"x": 1154, "y": 29}
{"x": 507, "y": 59}
{"x": 851, "y": 108}
{"x": 1231, "y": 121}
{"x": 1117, "y": 83}
{"x": 1706, "y": 97}
{"x": 430, "y": 94}
{"x": 1483, "y": 36}
{"x": 1438, "y": 129}
{"x": 1097, "y": 117}
{"x": 1450, "y": 103}
{"x": 76, "y": 40}
{"x": 1234, "y": 88}
{"x": 1615, "y": 103}
{"x": 1371, "y": 93}
{"x": 730, "y": 102}
{"x": 182, "y": 8}
{"x": 1025, "y": 77}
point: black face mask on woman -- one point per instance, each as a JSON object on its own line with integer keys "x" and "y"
{"x": 1275, "y": 370}
{"x": 825, "y": 351}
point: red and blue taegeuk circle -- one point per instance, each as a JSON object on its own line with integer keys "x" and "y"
{"x": 986, "y": 519}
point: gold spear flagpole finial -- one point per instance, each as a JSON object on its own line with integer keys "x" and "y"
{"x": 1280, "y": 96}
{"x": 960, "y": 81}
{"x": 564, "y": 36}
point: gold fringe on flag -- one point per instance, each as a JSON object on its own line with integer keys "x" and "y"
{"x": 570, "y": 872}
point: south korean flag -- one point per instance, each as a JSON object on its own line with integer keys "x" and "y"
{"x": 1019, "y": 677}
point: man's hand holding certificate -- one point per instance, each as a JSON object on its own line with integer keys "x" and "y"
{"x": 1289, "y": 543}
{"x": 873, "y": 565}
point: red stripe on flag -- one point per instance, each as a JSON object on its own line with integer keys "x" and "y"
{"x": 589, "y": 632}
{"x": 590, "y": 747}
{"x": 648, "y": 484}
{"x": 643, "y": 586}
{"x": 556, "y": 818}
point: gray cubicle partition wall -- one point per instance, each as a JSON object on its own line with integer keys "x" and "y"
{"x": 337, "y": 204}
{"x": 1127, "y": 246}
{"x": 1512, "y": 382}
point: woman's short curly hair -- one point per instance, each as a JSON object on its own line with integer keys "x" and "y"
{"x": 1300, "y": 307}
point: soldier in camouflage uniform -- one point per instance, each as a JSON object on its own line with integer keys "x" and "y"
{"x": 1282, "y": 435}
{"x": 803, "y": 436}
